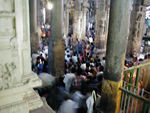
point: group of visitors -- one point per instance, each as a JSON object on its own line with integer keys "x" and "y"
{"x": 83, "y": 76}
{"x": 40, "y": 61}
{"x": 40, "y": 58}
{"x": 81, "y": 66}
{"x": 79, "y": 89}
{"x": 45, "y": 34}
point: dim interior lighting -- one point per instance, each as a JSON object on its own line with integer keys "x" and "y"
{"x": 49, "y": 5}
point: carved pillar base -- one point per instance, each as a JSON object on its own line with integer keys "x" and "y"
{"x": 18, "y": 107}
{"x": 21, "y": 98}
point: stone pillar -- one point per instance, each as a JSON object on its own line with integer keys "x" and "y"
{"x": 33, "y": 15}
{"x": 39, "y": 13}
{"x": 48, "y": 16}
{"x": 80, "y": 11}
{"x": 148, "y": 32}
{"x": 136, "y": 29}
{"x": 16, "y": 78}
{"x": 84, "y": 14}
{"x": 102, "y": 20}
{"x": 107, "y": 18}
{"x": 66, "y": 19}
{"x": 115, "y": 54}
{"x": 77, "y": 21}
{"x": 34, "y": 37}
{"x": 56, "y": 44}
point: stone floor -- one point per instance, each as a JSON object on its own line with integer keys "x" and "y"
{"x": 44, "y": 109}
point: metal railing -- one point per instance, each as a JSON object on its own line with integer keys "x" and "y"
{"x": 129, "y": 73}
{"x": 134, "y": 100}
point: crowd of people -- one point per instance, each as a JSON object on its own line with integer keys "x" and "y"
{"x": 83, "y": 76}
{"x": 79, "y": 89}
{"x": 80, "y": 86}
{"x": 40, "y": 59}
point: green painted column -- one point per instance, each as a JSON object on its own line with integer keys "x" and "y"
{"x": 56, "y": 43}
{"x": 115, "y": 53}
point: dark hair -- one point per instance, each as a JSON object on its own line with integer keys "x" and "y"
{"x": 103, "y": 58}
{"x": 68, "y": 55}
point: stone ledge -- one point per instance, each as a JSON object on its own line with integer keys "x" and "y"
{"x": 22, "y": 92}
{"x": 44, "y": 109}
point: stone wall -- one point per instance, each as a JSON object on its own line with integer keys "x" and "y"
{"x": 16, "y": 77}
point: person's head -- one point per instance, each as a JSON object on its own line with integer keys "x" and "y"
{"x": 79, "y": 71}
{"x": 38, "y": 59}
{"x": 87, "y": 54}
{"x": 46, "y": 57}
{"x": 73, "y": 70}
{"x": 98, "y": 60}
{"x": 101, "y": 68}
{"x": 71, "y": 61}
{"x": 103, "y": 58}
{"x": 87, "y": 64}
{"x": 100, "y": 76}
{"x": 68, "y": 56}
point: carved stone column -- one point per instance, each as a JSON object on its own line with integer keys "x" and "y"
{"x": 84, "y": 14}
{"x": 66, "y": 19}
{"x": 16, "y": 78}
{"x": 77, "y": 20}
{"x": 56, "y": 50}
{"x": 33, "y": 15}
{"x": 34, "y": 35}
{"x": 102, "y": 20}
{"x": 80, "y": 11}
{"x": 136, "y": 29}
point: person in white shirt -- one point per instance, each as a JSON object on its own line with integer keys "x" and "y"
{"x": 91, "y": 40}
{"x": 67, "y": 58}
{"x": 68, "y": 80}
{"x": 68, "y": 106}
{"x": 74, "y": 58}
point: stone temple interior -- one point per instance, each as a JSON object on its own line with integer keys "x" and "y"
{"x": 75, "y": 56}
